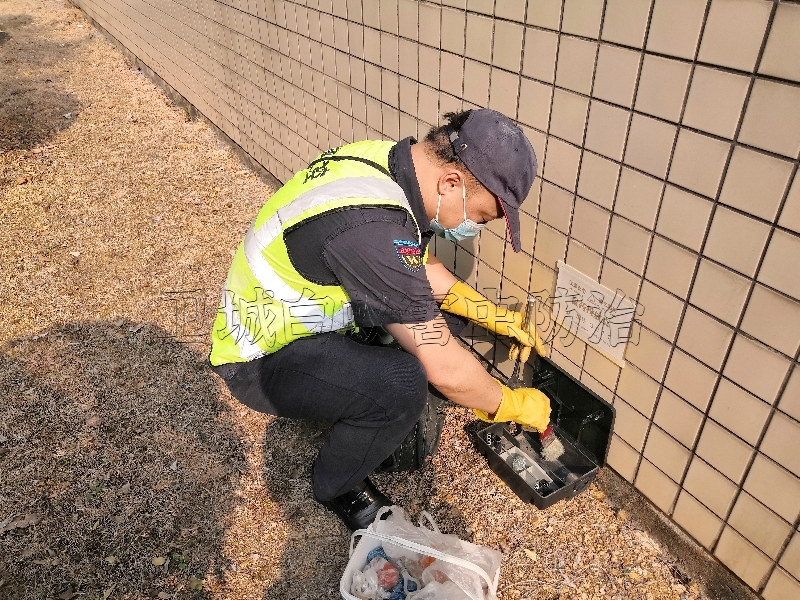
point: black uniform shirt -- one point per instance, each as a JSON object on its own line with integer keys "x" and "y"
{"x": 372, "y": 252}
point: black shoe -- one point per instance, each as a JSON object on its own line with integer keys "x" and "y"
{"x": 358, "y": 507}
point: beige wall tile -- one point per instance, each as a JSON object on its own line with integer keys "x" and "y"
{"x": 739, "y": 411}
{"x": 409, "y": 25}
{"x": 430, "y": 21}
{"x": 756, "y": 368}
{"x": 453, "y": 34}
{"x": 428, "y": 104}
{"x": 517, "y": 268}
{"x": 704, "y": 337}
{"x": 408, "y": 60}
{"x": 775, "y": 487}
{"x": 482, "y": 6}
{"x": 791, "y": 556}
{"x": 504, "y": 92}
{"x": 662, "y": 86}
{"x": 561, "y": 163}
{"x": 629, "y": 425}
{"x": 476, "y": 82}
{"x": 723, "y": 451}
{"x": 781, "y": 586}
{"x": 390, "y": 84}
{"x": 650, "y": 144}
{"x": 452, "y": 74}
{"x": 666, "y": 453}
{"x": 659, "y": 488}
{"x": 661, "y": 311}
{"x": 790, "y": 215}
{"x": 715, "y": 101}
{"x": 683, "y": 217}
{"x": 615, "y": 77}
{"x": 541, "y": 48}
{"x": 702, "y": 524}
{"x": 491, "y": 249}
{"x": 428, "y": 75}
{"x": 675, "y": 27}
{"x": 388, "y": 16}
{"x": 790, "y": 399}
{"x": 678, "y": 418}
{"x": 627, "y": 244}
{"x": 479, "y": 37}
{"x": 638, "y": 197}
{"x": 590, "y": 223}
{"x": 534, "y": 104}
{"x": 619, "y": 279}
{"x": 507, "y": 51}
{"x": 736, "y": 241}
{"x": 600, "y": 368}
{"x": 719, "y": 291}
{"x": 582, "y": 17}
{"x": 625, "y": 22}
{"x": 783, "y": 44}
{"x": 608, "y": 127}
{"x": 407, "y": 92}
{"x": 598, "y": 179}
{"x": 755, "y": 182}
{"x": 555, "y": 205}
{"x": 543, "y": 279}
{"x": 649, "y": 354}
{"x": 568, "y": 353}
{"x": 638, "y": 389}
{"x": 576, "y": 58}
{"x": 774, "y": 319}
{"x": 551, "y": 245}
{"x": 513, "y": 10}
{"x": 547, "y": 14}
{"x": 759, "y": 525}
{"x": 762, "y": 129}
{"x": 742, "y": 558}
{"x": 568, "y": 120}
{"x": 781, "y": 269}
{"x": 583, "y": 259}
{"x": 670, "y": 266}
{"x": 710, "y": 487}
{"x": 622, "y": 458}
{"x": 782, "y": 442}
{"x": 733, "y": 33}
{"x": 698, "y": 162}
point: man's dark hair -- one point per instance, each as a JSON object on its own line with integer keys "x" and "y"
{"x": 439, "y": 138}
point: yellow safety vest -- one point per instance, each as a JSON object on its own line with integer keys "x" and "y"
{"x": 266, "y": 304}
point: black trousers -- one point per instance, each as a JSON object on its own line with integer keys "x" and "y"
{"x": 373, "y": 396}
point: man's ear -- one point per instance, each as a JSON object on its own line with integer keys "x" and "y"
{"x": 450, "y": 180}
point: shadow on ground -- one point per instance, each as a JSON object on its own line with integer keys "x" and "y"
{"x": 33, "y": 107}
{"x": 118, "y": 465}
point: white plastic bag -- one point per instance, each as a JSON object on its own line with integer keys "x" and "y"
{"x": 447, "y": 567}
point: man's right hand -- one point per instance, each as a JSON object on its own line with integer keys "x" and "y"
{"x": 527, "y": 406}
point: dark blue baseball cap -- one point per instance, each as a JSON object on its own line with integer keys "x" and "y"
{"x": 497, "y": 153}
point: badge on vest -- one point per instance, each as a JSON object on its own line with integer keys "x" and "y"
{"x": 409, "y": 254}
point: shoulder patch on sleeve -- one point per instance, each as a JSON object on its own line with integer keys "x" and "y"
{"x": 409, "y": 253}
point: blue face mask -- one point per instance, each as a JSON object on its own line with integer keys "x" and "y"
{"x": 464, "y": 230}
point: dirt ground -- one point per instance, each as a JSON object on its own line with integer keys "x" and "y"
{"x": 126, "y": 469}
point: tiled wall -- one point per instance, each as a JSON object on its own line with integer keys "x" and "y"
{"x": 668, "y": 134}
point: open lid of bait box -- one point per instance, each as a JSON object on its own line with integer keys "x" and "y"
{"x": 583, "y": 423}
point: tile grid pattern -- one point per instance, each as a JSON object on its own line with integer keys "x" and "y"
{"x": 668, "y": 159}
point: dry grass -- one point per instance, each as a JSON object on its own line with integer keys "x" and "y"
{"x": 126, "y": 470}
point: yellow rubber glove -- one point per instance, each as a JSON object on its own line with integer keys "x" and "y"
{"x": 466, "y": 302}
{"x": 527, "y": 406}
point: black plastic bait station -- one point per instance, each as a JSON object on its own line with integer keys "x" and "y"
{"x": 583, "y": 423}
